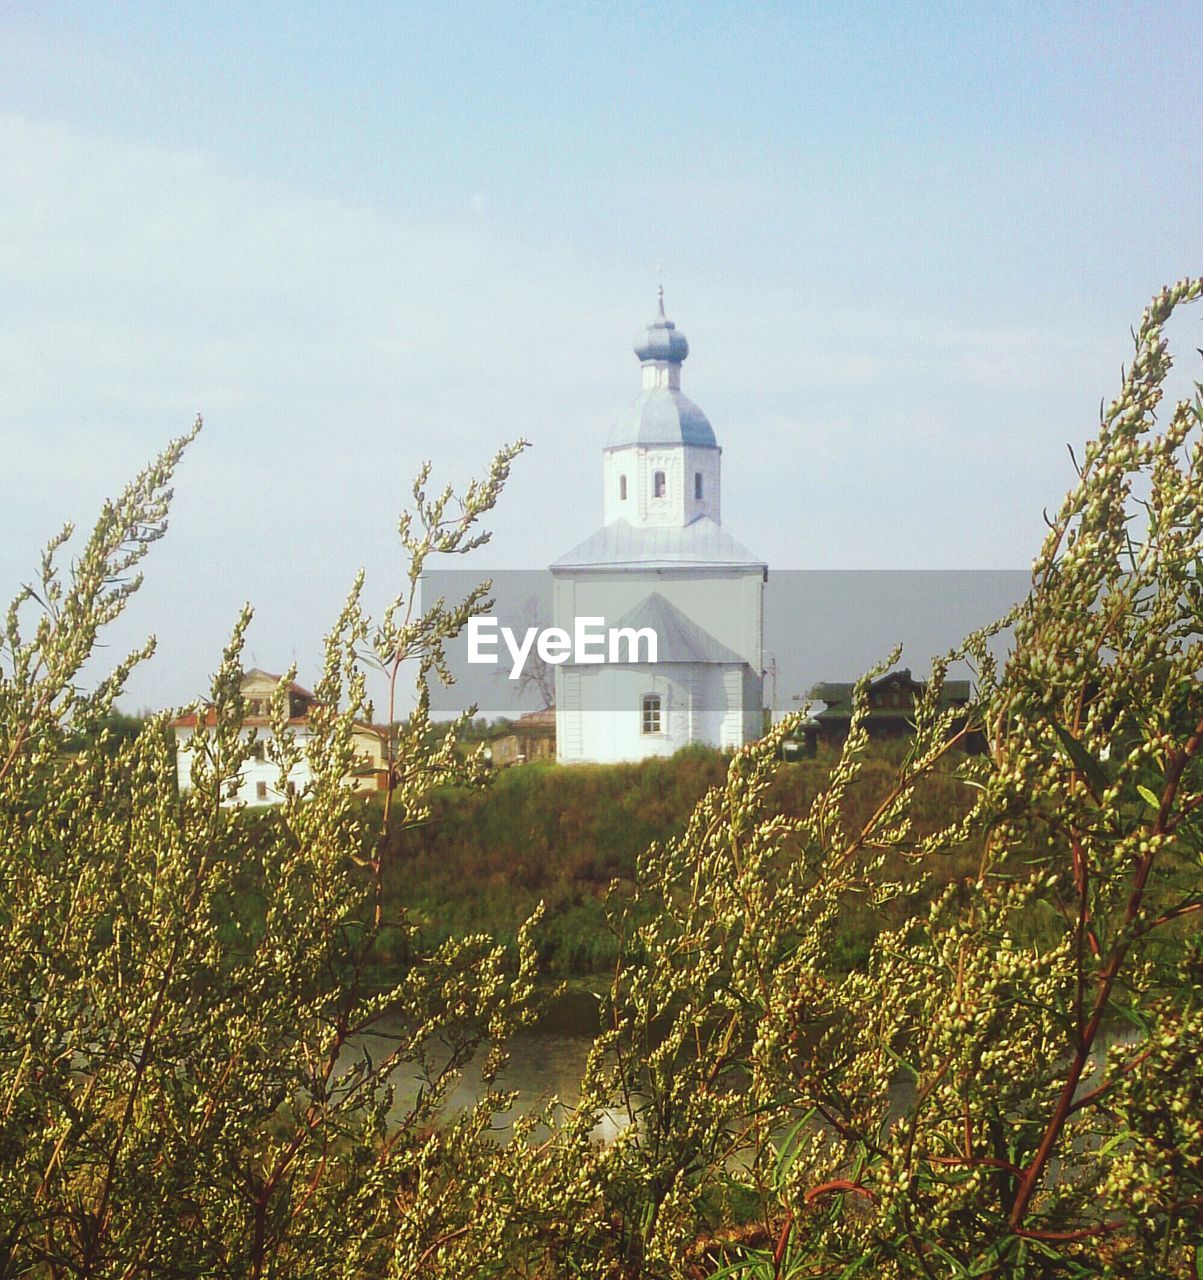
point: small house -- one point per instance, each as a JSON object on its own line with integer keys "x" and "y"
{"x": 530, "y": 737}
{"x": 891, "y": 710}
{"x": 258, "y": 781}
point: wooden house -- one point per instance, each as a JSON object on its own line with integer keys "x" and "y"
{"x": 530, "y": 737}
{"x": 891, "y": 711}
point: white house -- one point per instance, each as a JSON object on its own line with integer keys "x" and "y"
{"x": 662, "y": 561}
{"x": 258, "y": 779}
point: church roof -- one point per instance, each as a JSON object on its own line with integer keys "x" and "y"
{"x": 663, "y": 340}
{"x": 678, "y": 637}
{"x": 661, "y": 415}
{"x": 703, "y": 543}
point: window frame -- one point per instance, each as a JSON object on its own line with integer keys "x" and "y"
{"x": 651, "y": 715}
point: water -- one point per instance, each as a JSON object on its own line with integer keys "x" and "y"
{"x": 545, "y": 1061}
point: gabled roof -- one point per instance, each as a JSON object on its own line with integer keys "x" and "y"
{"x": 703, "y": 543}
{"x": 533, "y": 724}
{"x": 546, "y": 715}
{"x": 678, "y": 637}
{"x": 293, "y": 687}
{"x": 838, "y": 696}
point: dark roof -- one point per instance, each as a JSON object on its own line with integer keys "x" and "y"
{"x": 838, "y": 696}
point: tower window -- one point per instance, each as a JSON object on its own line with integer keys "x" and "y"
{"x": 658, "y": 485}
{"x": 622, "y": 488}
{"x": 697, "y": 484}
{"x": 651, "y": 713}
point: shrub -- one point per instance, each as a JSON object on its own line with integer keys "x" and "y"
{"x": 195, "y": 1063}
{"x": 1011, "y": 1086}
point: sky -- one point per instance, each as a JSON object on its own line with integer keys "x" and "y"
{"x": 907, "y": 243}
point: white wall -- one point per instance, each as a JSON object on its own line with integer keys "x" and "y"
{"x": 253, "y": 772}
{"x": 599, "y": 710}
{"x": 678, "y": 506}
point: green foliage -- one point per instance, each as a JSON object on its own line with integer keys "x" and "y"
{"x": 562, "y": 835}
{"x": 1011, "y": 1085}
{"x": 190, "y": 1080}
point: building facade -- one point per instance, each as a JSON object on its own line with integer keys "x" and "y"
{"x": 258, "y": 781}
{"x": 662, "y": 561}
{"x": 530, "y": 738}
{"x": 891, "y": 701}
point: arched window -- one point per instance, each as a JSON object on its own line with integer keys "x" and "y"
{"x": 622, "y": 488}
{"x": 658, "y": 486}
{"x": 697, "y": 484}
{"x": 651, "y": 713}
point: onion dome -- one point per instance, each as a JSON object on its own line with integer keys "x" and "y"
{"x": 662, "y": 415}
{"x": 662, "y": 340}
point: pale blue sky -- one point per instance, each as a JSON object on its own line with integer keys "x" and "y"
{"x": 906, "y": 243}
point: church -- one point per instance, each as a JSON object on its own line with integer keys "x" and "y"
{"x": 662, "y": 561}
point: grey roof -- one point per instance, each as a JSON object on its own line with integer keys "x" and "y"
{"x": 662, "y": 415}
{"x": 663, "y": 341}
{"x": 838, "y": 695}
{"x": 703, "y": 543}
{"x": 678, "y": 637}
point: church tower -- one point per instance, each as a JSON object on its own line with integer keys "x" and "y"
{"x": 662, "y": 462}
{"x": 661, "y": 562}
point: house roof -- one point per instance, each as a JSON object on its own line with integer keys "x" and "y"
{"x": 538, "y": 724}
{"x": 293, "y": 687}
{"x": 190, "y": 721}
{"x": 838, "y": 696}
{"x": 678, "y": 637}
{"x": 547, "y": 715}
{"x": 209, "y": 720}
{"x": 703, "y": 544}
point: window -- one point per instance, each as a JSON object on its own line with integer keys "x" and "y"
{"x": 697, "y": 484}
{"x": 658, "y": 485}
{"x": 255, "y": 707}
{"x": 651, "y": 713}
{"x": 257, "y": 749}
{"x": 260, "y": 790}
{"x": 622, "y": 488}
{"x": 291, "y": 788}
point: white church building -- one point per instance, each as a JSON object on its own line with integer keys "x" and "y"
{"x": 662, "y": 560}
